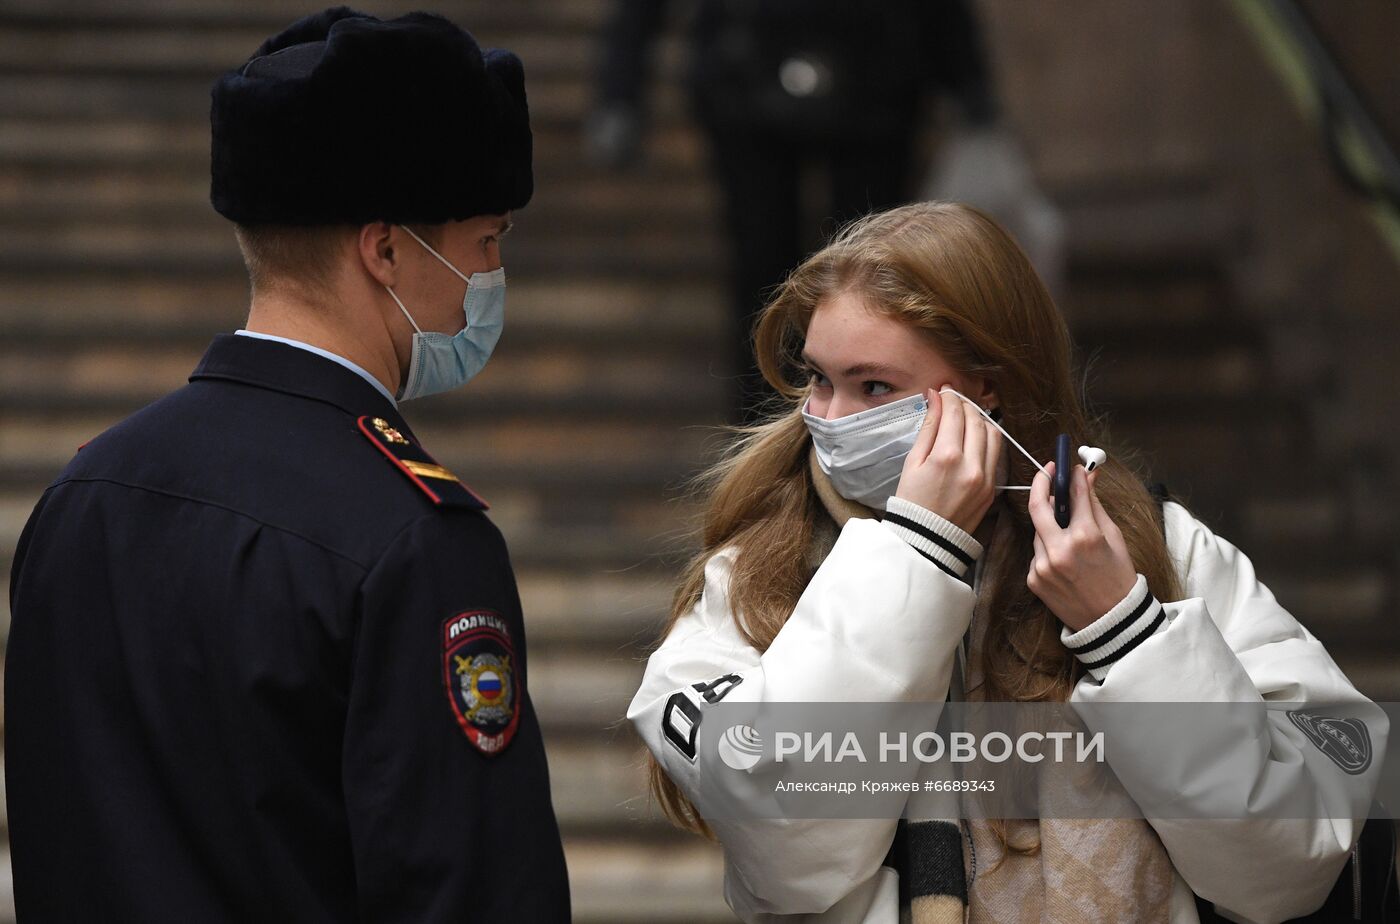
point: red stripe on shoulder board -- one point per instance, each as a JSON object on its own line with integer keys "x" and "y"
{"x": 397, "y": 462}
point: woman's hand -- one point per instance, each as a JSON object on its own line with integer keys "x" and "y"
{"x": 952, "y": 468}
{"x": 1083, "y": 570}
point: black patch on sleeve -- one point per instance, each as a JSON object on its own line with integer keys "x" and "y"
{"x": 680, "y": 722}
{"x": 719, "y": 688}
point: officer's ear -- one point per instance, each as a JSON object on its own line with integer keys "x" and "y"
{"x": 378, "y": 244}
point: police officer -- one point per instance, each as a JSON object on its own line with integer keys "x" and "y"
{"x": 267, "y": 659}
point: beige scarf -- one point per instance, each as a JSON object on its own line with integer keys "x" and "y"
{"x": 1075, "y": 870}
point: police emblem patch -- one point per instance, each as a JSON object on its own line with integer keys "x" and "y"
{"x": 479, "y": 672}
{"x": 1346, "y": 741}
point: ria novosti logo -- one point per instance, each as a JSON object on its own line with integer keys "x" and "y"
{"x": 740, "y": 747}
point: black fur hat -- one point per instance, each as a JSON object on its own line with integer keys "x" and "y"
{"x": 344, "y": 118}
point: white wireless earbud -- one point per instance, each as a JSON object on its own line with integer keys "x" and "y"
{"x": 1092, "y": 457}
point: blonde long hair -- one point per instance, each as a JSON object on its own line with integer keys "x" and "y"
{"x": 953, "y": 275}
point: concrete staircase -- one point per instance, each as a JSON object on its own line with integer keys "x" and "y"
{"x": 114, "y": 273}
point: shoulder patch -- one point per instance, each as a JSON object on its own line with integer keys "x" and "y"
{"x": 482, "y": 678}
{"x": 442, "y": 487}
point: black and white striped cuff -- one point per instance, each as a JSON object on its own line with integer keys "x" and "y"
{"x": 1100, "y": 644}
{"x": 947, "y": 546}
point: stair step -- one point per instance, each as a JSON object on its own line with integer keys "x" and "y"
{"x": 199, "y": 56}
{"x": 618, "y": 608}
{"x": 630, "y": 469}
{"x": 703, "y": 397}
{"x": 179, "y": 251}
{"x": 1191, "y": 442}
{"x": 622, "y": 882}
{"x": 537, "y": 371}
{"x": 482, "y": 450}
{"x": 533, "y": 363}
{"x": 598, "y": 781}
{"x": 149, "y": 150}
{"x": 1166, "y": 332}
{"x": 591, "y": 550}
{"x": 204, "y": 53}
{"x": 96, "y": 196}
{"x": 1346, "y": 604}
{"x": 1136, "y": 223}
{"x": 28, "y": 49}
{"x": 599, "y": 616}
{"x": 540, "y": 308}
{"x": 154, "y": 163}
{"x": 651, "y": 540}
{"x": 598, "y": 202}
{"x": 1159, "y": 370}
{"x": 15, "y": 508}
{"x": 93, "y": 306}
{"x": 1370, "y": 667}
{"x": 1299, "y": 517}
{"x": 1128, "y": 295}
{"x": 592, "y": 611}
{"x": 599, "y": 373}
{"x": 555, "y": 100}
{"x": 268, "y": 16}
{"x": 613, "y": 209}
{"x": 642, "y": 529}
{"x": 577, "y": 692}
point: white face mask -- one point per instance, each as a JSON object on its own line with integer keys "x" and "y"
{"x": 863, "y": 453}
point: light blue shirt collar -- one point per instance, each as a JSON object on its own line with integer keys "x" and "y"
{"x": 325, "y": 354}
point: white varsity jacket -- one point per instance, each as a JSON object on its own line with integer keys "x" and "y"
{"x": 887, "y": 611}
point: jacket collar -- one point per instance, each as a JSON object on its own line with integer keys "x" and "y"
{"x": 280, "y": 367}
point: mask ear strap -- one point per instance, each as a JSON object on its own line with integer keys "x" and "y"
{"x": 403, "y": 309}
{"x": 436, "y": 254}
{"x": 978, "y": 407}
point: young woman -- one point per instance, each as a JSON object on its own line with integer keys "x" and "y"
{"x": 860, "y": 541}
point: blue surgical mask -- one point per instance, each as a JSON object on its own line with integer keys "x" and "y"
{"x": 442, "y": 362}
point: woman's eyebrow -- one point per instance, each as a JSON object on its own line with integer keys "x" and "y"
{"x": 872, "y": 369}
{"x": 859, "y": 368}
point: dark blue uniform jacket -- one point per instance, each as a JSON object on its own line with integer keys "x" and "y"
{"x": 267, "y": 663}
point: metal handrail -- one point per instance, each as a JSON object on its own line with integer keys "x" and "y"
{"x": 1328, "y": 100}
